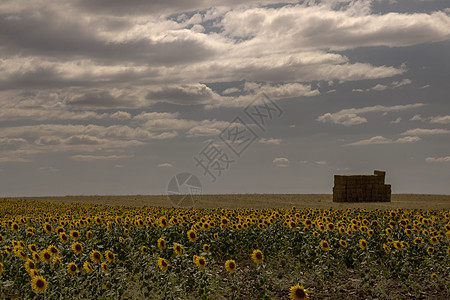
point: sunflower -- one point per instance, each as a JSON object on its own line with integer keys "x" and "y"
{"x": 104, "y": 267}
{"x": 192, "y": 235}
{"x": 56, "y": 262}
{"x": 77, "y": 248}
{"x": 32, "y": 247}
{"x": 330, "y": 227}
{"x": 324, "y": 245}
{"x": 206, "y": 248}
{"x": 298, "y": 292}
{"x": 398, "y": 245}
{"x": 257, "y": 256}
{"x": 38, "y": 284}
{"x": 95, "y": 256}
{"x": 315, "y": 234}
{"x": 63, "y": 237}
{"x": 162, "y": 263}
{"x": 33, "y": 273}
{"x": 35, "y": 256}
{"x": 430, "y": 250}
{"x": 47, "y": 228}
{"x": 144, "y": 249}
{"x": 418, "y": 240}
{"x": 216, "y": 236}
{"x": 89, "y": 234}
{"x": 370, "y": 232}
{"x": 448, "y": 251}
{"x": 178, "y": 248}
{"x": 408, "y": 232}
{"x": 1, "y": 268}
{"x": 75, "y": 234}
{"x": 72, "y": 268}
{"x": 87, "y": 267}
{"x": 200, "y": 262}
{"x": 363, "y": 244}
{"x": 46, "y": 256}
{"x": 30, "y": 265}
{"x": 433, "y": 276}
{"x": 15, "y": 227}
{"x": 163, "y": 222}
{"x": 388, "y": 231}
{"x": 343, "y": 243}
{"x": 53, "y": 250}
{"x": 434, "y": 240}
{"x": 161, "y": 244}
{"x": 110, "y": 257}
{"x": 230, "y": 266}
{"x": 386, "y": 249}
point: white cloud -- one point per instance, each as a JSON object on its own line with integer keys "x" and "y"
{"x": 348, "y": 117}
{"x": 397, "y": 84}
{"x": 445, "y": 159}
{"x": 320, "y": 162}
{"x": 281, "y": 162}
{"x": 421, "y": 131}
{"x": 230, "y": 91}
{"x": 382, "y": 140}
{"x": 417, "y": 118}
{"x": 270, "y": 141}
{"x": 378, "y": 87}
{"x": 441, "y": 120}
{"x": 165, "y": 165}
{"x": 396, "y": 121}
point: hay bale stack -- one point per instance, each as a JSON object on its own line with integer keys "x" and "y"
{"x": 361, "y": 188}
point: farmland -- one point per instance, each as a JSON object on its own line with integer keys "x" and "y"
{"x": 227, "y": 247}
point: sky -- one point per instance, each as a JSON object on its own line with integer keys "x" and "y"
{"x": 117, "y": 97}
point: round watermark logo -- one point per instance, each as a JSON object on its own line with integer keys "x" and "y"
{"x": 183, "y": 190}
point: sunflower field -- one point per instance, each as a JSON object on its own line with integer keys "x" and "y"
{"x": 82, "y": 251}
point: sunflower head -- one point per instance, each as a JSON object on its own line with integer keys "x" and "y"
{"x": 230, "y": 266}
{"x": 324, "y": 245}
{"x": 163, "y": 264}
{"x": 95, "y": 256}
{"x": 363, "y": 244}
{"x": 257, "y": 256}
{"x": 38, "y": 284}
{"x": 192, "y": 235}
{"x": 72, "y": 268}
{"x": 298, "y": 292}
{"x": 161, "y": 244}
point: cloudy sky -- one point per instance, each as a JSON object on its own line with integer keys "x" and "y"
{"x": 117, "y": 97}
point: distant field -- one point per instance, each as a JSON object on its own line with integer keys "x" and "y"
{"x": 409, "y": 201}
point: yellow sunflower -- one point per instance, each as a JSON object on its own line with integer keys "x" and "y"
{"x": 257, "y": 256}
{"x": 110, "y": 257}
{"x": 104, "y": 267}
{"x": 200, "y": 262}
{"x": 178, "y": 248}
{"x": 77, "y": 248}
{"x": 38, "y": 284}
{"x": 206, "y": 248}
{"x": 95, "y": 256}
{"x": 363, "y": 244}
{"x": 230, "y": 266}
{"x": 75, "y": 234}
{"x": 343, "y": 243}
{"x": 30, "y": 265}
{"x": 192, "y": 235}
{"x": 72, "y": 268}
{"x": 87, "y": 267}
{"x": 430, "y": 250}
{"x": 162, "y": 263}
{"x": 46, "y": 256}
{"x": 298, "y": 292}
{"x": 161, "y": 244}
{"x": 324, "y": 245}
{"x": 1, "y": 268}
{"x": 144, "y": 249}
